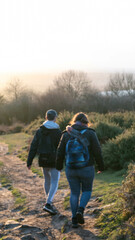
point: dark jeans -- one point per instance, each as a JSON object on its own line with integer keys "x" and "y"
{"x": 80, "y": 180}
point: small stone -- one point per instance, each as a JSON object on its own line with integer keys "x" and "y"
{"x": 98, "y": 199}
{"x": 1, "y": 225}
{"x": 27, "y": 237}
{"x": 96, "y": 211}
{"x": 11, "y": 224}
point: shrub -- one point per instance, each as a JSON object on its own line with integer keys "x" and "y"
{"x": 119, "y": 152}
{"x": 33, "y": 126}
{"x": 64, "y": 119}
{"x": 128, "y": 192}
{"x": 96, "y": 117}
{"x": 14, "y": 128}
{"x": 124, "y": 120}
{"x": 118, "y": 221}
{"x": 3, "y": 129}
{"x": 107, "y": 131}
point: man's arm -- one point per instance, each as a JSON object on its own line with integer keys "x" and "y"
{"x": 33, "y": 149}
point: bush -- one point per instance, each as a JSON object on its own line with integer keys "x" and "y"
{"x": 14, "y": 128}
{"x": 106, "y": 131}
{"x": 64, "y": 119}
{"x": 118, "y": 221}
{"x": 124, "y": 120}
{"x": 33, "y": 126}
{"x": 119, "y": 152}
{"x": 128, "y": 191}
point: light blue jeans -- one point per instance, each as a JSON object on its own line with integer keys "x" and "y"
{"x": 51, "y": 176}
{"x": 80, "y": 180}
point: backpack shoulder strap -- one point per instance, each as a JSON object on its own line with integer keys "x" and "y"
{"x": 83, "y": 131}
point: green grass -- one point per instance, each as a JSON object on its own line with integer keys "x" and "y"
{"x": 1, "y": 164}
{"x": 64, "y": 238}
{"x": 66, "y": 201}
{"x": 113, "y": 224}
{"x": 5, "y": 182}
{"x": 38, "y": 171}
{"x": 15, "y": 141}
{"x": 63, "y": 183}
{"x": 63, "y": 228}
{"x": 117, "y": 221}
{"x": 20, "y": 200}
{"x": 23, "y": 155}
{"x": 19, "y": 142}
{"x": 5, "y": 237}
{"x": 106, "y": 185}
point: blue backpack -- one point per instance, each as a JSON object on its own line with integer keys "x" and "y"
{"x": 77, "y": 153}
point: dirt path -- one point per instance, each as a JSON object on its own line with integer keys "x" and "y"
{"x": 35, "y": 223}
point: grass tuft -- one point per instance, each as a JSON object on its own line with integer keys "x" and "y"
{"x": 66, "y": 202}
{"x": 63, "y": 228}
{"x": 20, "y": 200}
{"x": 5, "y": 182}
{"x": 37, "y": 171}
{"x": 1, "y": 164}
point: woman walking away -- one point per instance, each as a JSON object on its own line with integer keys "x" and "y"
{"x": 79, "y": 146}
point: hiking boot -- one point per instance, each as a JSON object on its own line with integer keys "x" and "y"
{"x": 79, "y": 215}
{"x": 49, "y": 208}
{"x": 74, "y": 222}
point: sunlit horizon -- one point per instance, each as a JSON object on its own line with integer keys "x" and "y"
{"x": 55, "y": 36}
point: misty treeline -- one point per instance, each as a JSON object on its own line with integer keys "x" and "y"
{"x": 71, "y": 91}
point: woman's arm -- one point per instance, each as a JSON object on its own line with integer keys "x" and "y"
{"x": 96, "y": 149}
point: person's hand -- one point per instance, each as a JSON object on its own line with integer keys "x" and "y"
{"x": 99, "y": 172}
{"x": 29, "y": 167}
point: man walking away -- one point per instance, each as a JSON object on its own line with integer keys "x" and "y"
{"x": 44, "y": 144}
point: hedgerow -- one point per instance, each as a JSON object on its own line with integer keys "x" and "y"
{"x": 119, "y": 152}
{"x": 106, "y": 131}
{"x": 118, "y": 221}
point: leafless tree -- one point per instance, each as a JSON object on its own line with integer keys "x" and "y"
{"x": 122, "y": 83}
{"x": 73, "y": 83}
{"x": 14, "y": 89}
{"x": 2, "y": 99}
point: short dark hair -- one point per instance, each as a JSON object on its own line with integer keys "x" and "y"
{"x": 51, "y": 114}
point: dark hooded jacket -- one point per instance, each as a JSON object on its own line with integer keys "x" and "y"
{"x": 38, "y": 144}
{"x": 94, "y": 148}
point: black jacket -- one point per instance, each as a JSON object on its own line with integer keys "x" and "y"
{"x": 37, "y": 146}
{"x": 94, "y": 148}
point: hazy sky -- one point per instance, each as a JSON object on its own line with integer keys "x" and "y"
{"x": 57, "y": 35}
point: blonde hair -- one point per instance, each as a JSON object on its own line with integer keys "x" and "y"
{"x": 81, "y": 117}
